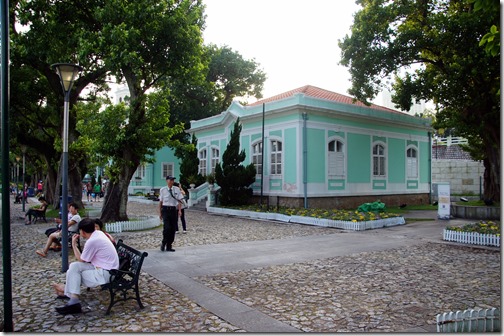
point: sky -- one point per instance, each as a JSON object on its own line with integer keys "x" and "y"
{"x": 295, "y": 42}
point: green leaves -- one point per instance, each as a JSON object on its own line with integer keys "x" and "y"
{"x": 434, "y": 50}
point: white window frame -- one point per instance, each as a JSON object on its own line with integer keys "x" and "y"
{"x": 167, "y": 168}
{"x": 276, "y": 157}
{"x": 336, "y": 163}
{"x": 214, "y": 158}
{"x": 256, "y": 153}
{"x": 202, "y": 156}
{"x": 379, "y": 158}
{"x": 411, "y": 162}
{"x": 140, "y": 172}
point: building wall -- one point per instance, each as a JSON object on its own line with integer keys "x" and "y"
{"x": 463, "y": 175}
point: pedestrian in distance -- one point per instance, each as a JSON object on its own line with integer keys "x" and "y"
{"x": 170, "y": 208}
{"x": 182, "y": 215}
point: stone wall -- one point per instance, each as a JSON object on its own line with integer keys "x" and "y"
{"x": 463, "y": 176}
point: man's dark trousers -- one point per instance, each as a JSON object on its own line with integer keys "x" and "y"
{"x": 169, "y": 225}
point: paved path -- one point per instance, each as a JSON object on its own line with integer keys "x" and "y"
{"x": 233, "y": 274}
{"x": 179, "y": 269}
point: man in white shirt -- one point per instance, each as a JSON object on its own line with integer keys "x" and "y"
{"x": 170, "y": 208}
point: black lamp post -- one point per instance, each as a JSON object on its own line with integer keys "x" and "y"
{"x": 67, "y": 73}
{"x": 23, "y": 149}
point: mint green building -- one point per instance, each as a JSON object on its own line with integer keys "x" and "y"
{"x": 322, "y": 150}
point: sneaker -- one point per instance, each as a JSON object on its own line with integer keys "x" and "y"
{"x": 184, "y": 231}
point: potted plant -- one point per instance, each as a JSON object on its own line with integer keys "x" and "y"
{"x": 192, "y": 181}
{"x": 211, "y": 179}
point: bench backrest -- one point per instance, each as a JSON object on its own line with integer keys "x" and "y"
{"x": 130, "y": 259}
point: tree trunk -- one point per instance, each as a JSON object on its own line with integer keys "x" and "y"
{"x": 50, "y": 184}
{"x": 75, "y": 185}
{"x": 116, "y": 201}
{"x": 491, "y": 176}
{"x": 116, "y": 198}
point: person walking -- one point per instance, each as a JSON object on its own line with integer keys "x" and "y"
{"x": 89, "y": 189}
{"x": 97, "y": 191}
{"x": 182, "y": 214}
{"x": 170, "y": 199}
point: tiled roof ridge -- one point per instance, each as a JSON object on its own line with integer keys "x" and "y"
{"x": 452, "y": 152}
{"x": 316, "y": 92}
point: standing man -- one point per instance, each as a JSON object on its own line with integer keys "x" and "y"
{"x": 170, "y": 208}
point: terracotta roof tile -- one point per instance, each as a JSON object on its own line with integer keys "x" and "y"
{"x": 453, "y": 152}
{"x": 315, "y": 92}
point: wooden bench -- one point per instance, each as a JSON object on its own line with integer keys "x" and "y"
{"x": 126, "y": 277}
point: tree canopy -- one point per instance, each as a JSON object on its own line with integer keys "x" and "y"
{"x": 155, "y": 46}
{"x": 432, "y": 48}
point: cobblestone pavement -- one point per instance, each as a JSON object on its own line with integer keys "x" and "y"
{"x": 382, "y": 291}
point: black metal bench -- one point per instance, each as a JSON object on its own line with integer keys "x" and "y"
{"x": 126, "y": 277}
{"x": 39, "y": 215}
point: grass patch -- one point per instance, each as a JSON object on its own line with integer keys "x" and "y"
{"x": 478, "y": 203}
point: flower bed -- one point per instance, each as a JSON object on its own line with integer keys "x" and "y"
{"x": 374, "y": 221}
{"x": 479, "y": 233}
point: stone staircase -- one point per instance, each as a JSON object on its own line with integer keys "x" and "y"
{"x": 200, "y": 206}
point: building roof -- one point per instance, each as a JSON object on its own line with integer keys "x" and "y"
{"x": 315, "y": 92}
{"x": 453, "y": 152}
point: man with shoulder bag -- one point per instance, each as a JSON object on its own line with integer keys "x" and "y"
{"x": 170, "y": 208}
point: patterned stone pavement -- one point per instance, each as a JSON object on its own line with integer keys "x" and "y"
{"x": 393, "y": 290}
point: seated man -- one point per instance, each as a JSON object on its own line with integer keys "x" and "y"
{"x": 92, "y": 268}
{"x": 33, "y": 211}
{"x": 56, "y": 236}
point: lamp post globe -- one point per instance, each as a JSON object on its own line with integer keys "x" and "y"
{"x": 67, "y": 73}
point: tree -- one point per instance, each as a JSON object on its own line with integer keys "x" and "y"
{"x": 37, "y": 99}
{"x": 433, "y": 49}
{"x": 225, "y": 75}
{"x": 234, "y": 178}
{"x": 189, "y": 165}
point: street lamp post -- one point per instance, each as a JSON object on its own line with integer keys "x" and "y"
{"x": 23, "y": 149}
{"x": 67, "y": 73}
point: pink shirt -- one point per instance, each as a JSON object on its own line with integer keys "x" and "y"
{"x": 100, "y": 252}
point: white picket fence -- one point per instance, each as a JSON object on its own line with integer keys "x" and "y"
{"x": 471, "y": 238}
{"x": 138, "y": 224}
{"x": 471, "y": 320}
{"x": 339, "y": 224}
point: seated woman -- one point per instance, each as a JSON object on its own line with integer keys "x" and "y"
{"x": 72, "y": 229}
{"x": 34, "y": 211}
{"x": 99, "y": 226}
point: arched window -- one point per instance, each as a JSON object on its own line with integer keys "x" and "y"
{"x": 214, "y": 159}
{"x": 257, "y": 157}
{"x": 379, "y": 160}
{"x": 335, "y": 159}
{"x": 412, "y": 162}
{"x": 202, "y": 155}
{"x": 276, "y": 157}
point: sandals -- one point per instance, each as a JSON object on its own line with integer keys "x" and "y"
{"x": 40, "y": 253}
